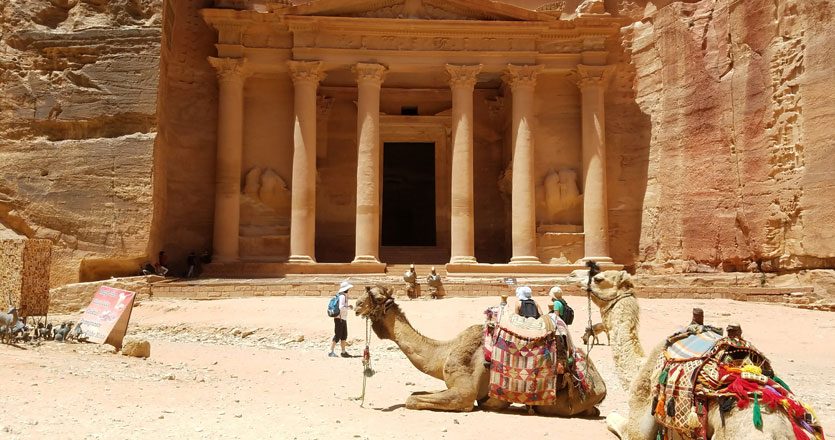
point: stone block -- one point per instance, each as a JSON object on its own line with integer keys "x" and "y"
{"x": 25, "y": 275}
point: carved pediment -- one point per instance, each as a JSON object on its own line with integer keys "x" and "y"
{"x": 418, "y": 9}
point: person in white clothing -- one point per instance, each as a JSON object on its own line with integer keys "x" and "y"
{"x": 340, "y": 325}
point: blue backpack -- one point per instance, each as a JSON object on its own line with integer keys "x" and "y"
{"x": 333, "y": 306}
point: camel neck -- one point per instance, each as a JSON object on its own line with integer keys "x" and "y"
{"x": 623, "y": 321}
{"x": 426, "y": 354}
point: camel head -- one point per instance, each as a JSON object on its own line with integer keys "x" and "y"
{"x": 605, "y": 286}
{"x": 376, "y": 304}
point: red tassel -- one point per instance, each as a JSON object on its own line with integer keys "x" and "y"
{"x": 741, "y": 388}
{"x": 797, "y": 410}
{"x": 770, "y": 399}
{"x": 799, "y": 432}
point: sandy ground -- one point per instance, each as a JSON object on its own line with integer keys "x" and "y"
{"x": 205, "y": 380}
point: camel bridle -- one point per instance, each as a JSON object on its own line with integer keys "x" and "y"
{"x": 377, "y": 312}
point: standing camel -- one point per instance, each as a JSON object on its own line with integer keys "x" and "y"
{"x": 613, "y": 293}
{"x": 459, "y": 362}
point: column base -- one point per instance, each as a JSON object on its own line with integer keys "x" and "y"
{"x": 366, "y": 259}
{"x": 301, "y": 259}
{"x": 224, "y": 259}
{"x": 525, "y": 260}
{"x": 599, "y": 260}
{"x": 463, "y": 260}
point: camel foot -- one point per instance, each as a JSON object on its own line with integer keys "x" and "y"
{"x": 491, "y": 404}
{"x": 447, "y": 400}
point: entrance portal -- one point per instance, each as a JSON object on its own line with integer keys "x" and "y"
{"x": 408, "y": 194}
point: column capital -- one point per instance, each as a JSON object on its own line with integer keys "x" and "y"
{"x": 522, "y": 76}
{"x": 230, "y": 69}
{"x": 593, "y": 76}
{"x": 301, "y": 71}
{"x": 366, "y": 72}
{"x": 463, "y": 76}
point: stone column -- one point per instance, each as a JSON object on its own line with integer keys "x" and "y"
{"x": 231, "y": 75}
{"x": 306, "y": 76}
{"x": 369, "y": 79}
{"x": 462, "y": 81}
{"x": 592, "y": 84}
{"x": 522, "y": 80}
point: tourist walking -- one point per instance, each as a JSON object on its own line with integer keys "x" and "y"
{"x": 340, "y": 324}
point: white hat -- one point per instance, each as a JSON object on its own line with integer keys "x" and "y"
{"x": 523, "y": 292}
{"x": 345, "y": 286}
{"x": 555, "y": 292}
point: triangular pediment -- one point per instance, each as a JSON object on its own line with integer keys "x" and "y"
{"x": 485, "y": 10}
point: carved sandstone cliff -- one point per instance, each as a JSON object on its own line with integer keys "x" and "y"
{"x": 78, "y": 88}
{"x": 740, "y": 174}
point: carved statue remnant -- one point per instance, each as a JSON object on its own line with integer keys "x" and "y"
{"x": 265, "y": 203}
{"x": 558, "y": 197}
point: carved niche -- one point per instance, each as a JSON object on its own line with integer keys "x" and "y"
{"x": 265, "y": 204}
{"x": 558, "y": 198}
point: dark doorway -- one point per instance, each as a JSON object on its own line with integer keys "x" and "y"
{"x": 408, "y": 194}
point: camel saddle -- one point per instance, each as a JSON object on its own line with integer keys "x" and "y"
{"x": 700, "y": 367}
{"x": 524, "y": 357}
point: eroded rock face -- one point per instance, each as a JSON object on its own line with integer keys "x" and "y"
{"x": 78, "y": 87}
{"x": 739, "y": 166}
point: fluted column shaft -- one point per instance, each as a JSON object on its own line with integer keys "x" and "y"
{"x": 369, "y": 80}
{"x": 231, "y": 75}
{"x": 462, "y": 82}
{"x": 522, "y": 81}
{"x": 306, "y": 77}
{"x": 592, "y": 83}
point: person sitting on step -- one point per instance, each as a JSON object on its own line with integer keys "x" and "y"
{"x": 527, "y": 306}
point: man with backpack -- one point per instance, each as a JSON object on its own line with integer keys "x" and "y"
{"x": 337, "y": 308}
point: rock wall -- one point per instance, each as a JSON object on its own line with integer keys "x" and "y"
{"x": 718, "y": 128}
{"x": 739, "y": 170}
{"x": 78, "y": 89}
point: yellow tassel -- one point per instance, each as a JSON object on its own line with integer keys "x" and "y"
{"x": 693, "y": 419}
{"x": 752, "y": 369}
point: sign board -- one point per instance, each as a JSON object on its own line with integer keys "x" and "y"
{"x": 106, "y": 318}
{"x": 510, "y": 281}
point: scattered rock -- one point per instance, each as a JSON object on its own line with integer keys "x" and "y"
{"x": 136, "y": 347}
{"x": 169, "y": 376}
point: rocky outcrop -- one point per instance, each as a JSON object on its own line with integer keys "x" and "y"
{"x": 738, "y": 96}
{"x": 78, "y": 88}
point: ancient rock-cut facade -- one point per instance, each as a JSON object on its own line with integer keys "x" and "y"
{"x": 460, "y": 132}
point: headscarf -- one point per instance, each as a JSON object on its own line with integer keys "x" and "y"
{"x": 523, "y": 293}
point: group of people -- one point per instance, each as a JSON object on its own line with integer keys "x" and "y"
{"x": 528, "y": 308}
{"x": 193, "y": 264}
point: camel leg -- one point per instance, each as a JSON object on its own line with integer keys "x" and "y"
{"x": 447, "y": 400}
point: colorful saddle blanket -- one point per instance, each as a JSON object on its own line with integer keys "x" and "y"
{"x": 698, "y": 367}
{"x": 527, "y": 360}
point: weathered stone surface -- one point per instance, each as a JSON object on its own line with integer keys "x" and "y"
{"x": 718, "y": 128}
{"x": 136, "y": 347}
{"x": 739, "y": 172}
{"x": 71, "y": 298}
{"x": 78, "y": 86}
{"x": 24, "y": 278}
